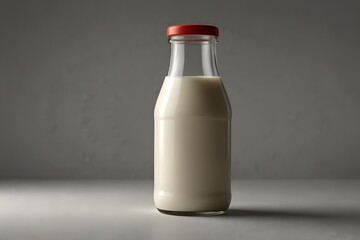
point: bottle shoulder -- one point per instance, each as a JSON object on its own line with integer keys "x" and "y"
{"x": 193, "y": 96}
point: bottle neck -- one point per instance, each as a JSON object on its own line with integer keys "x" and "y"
{"x": 193, "y": 55}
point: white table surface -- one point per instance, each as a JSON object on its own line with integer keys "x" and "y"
{"x": 281, "y": 209}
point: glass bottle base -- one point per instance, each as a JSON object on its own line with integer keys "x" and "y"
{"x": 185, "y": 213}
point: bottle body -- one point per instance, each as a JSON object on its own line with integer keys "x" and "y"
{"x": 192, "y": 145}
{"x": 192, "y": 132}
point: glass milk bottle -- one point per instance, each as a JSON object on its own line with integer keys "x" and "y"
{"x": 192, "y": 165}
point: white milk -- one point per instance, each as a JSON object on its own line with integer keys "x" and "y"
{"x": 192, "y": 145}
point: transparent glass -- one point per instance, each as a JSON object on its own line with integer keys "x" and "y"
{"x": 193, "y": 55}
{"x": 192, "y": 132}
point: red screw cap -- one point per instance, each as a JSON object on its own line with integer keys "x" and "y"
{"x": 192, "y": 29}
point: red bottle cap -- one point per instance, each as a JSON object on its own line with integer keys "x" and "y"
{"x": 192, "y": 29}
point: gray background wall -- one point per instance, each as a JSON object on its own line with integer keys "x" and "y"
{"x": 79, "y": 80}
